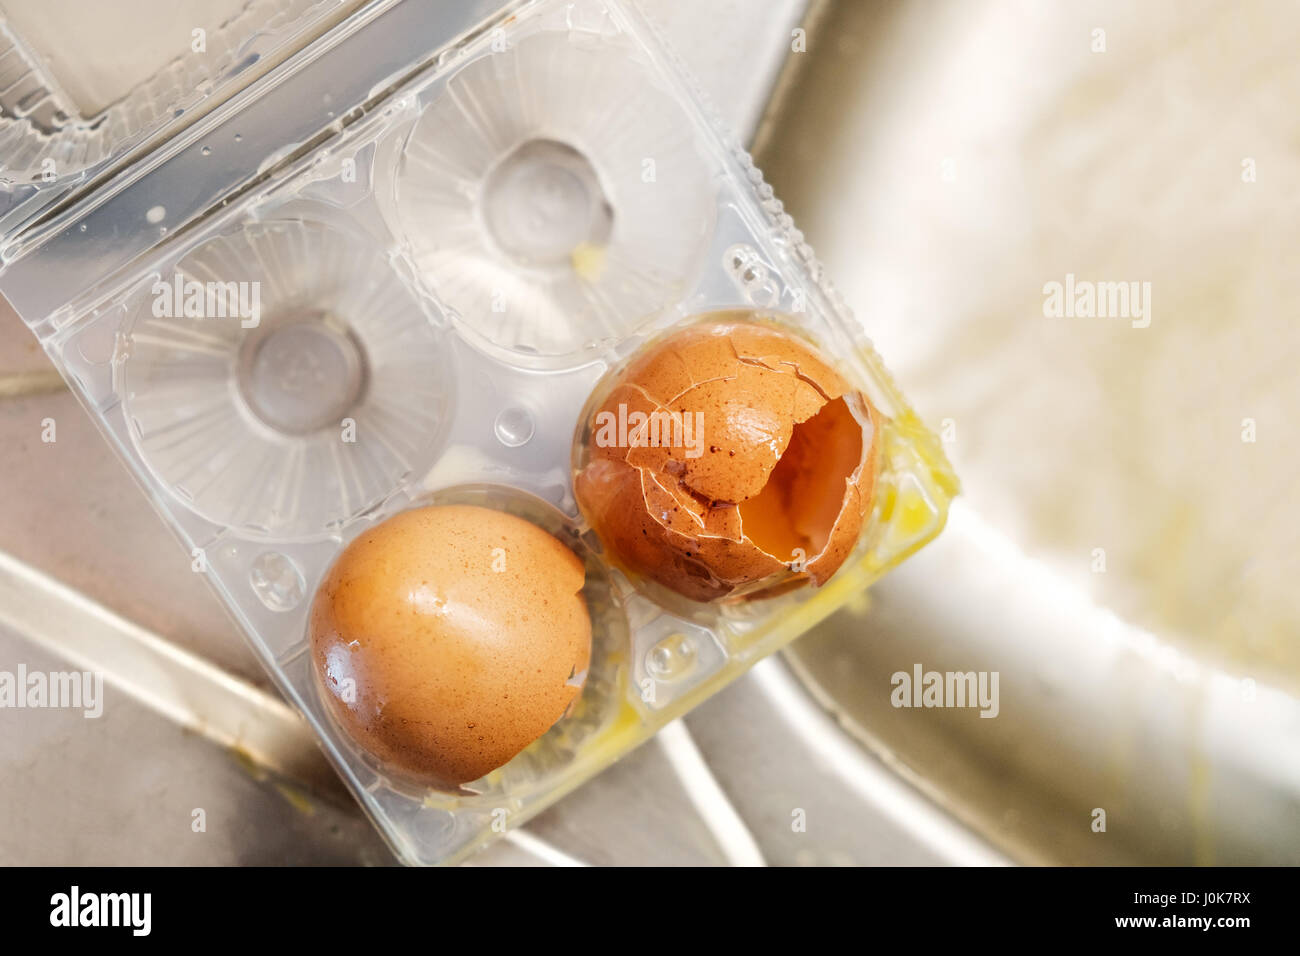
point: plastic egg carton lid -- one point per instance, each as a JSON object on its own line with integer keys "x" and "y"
{"x": 83, "y": 85}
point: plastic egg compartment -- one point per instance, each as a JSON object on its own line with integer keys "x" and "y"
{"x": 440, "y": 292}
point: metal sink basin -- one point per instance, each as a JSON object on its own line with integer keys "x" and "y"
{"x": 1126, "y": 549}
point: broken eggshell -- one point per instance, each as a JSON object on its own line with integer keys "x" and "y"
{"x": 728, "y": 460}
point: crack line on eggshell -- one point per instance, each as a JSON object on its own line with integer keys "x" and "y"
{"x": 781, "y": 368}
{"x": 798, "y": 370}
{"x": 798, "y": 373}
{"x": 667, "y": 406}
{"x": 686, "y": 545}
{"x": 681, "y": 482}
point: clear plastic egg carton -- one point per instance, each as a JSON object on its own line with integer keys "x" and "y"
{"x": 414, "y": 305}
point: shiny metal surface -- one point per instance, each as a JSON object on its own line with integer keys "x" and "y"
{"x": 1125, "y": 552}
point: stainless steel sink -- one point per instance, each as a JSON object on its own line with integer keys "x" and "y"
{"x": 1125, "y": 552}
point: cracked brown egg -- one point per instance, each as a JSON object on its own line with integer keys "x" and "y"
{"x": 448, "y": 638}
{"x": 728, "y": 460}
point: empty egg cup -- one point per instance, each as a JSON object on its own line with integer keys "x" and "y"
{"x": 297, "y": 385}
{"x": 553, "y": 195}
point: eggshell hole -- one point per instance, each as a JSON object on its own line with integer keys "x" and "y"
{"x": 798, "y": 506}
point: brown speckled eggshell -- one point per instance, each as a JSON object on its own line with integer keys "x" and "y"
{"x": 676, "y": 515}
{"x": 465, "y": 633}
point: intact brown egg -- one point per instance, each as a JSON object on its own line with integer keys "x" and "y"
{"x": 728, "y": 460}
{"x": 450, "y": 637}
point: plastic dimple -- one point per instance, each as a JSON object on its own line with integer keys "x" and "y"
{"x": 752, "y": 276}
{"x": 514, "y": 426}
{"x": 276, "y": 581}
{"x": 671, "y": 658}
